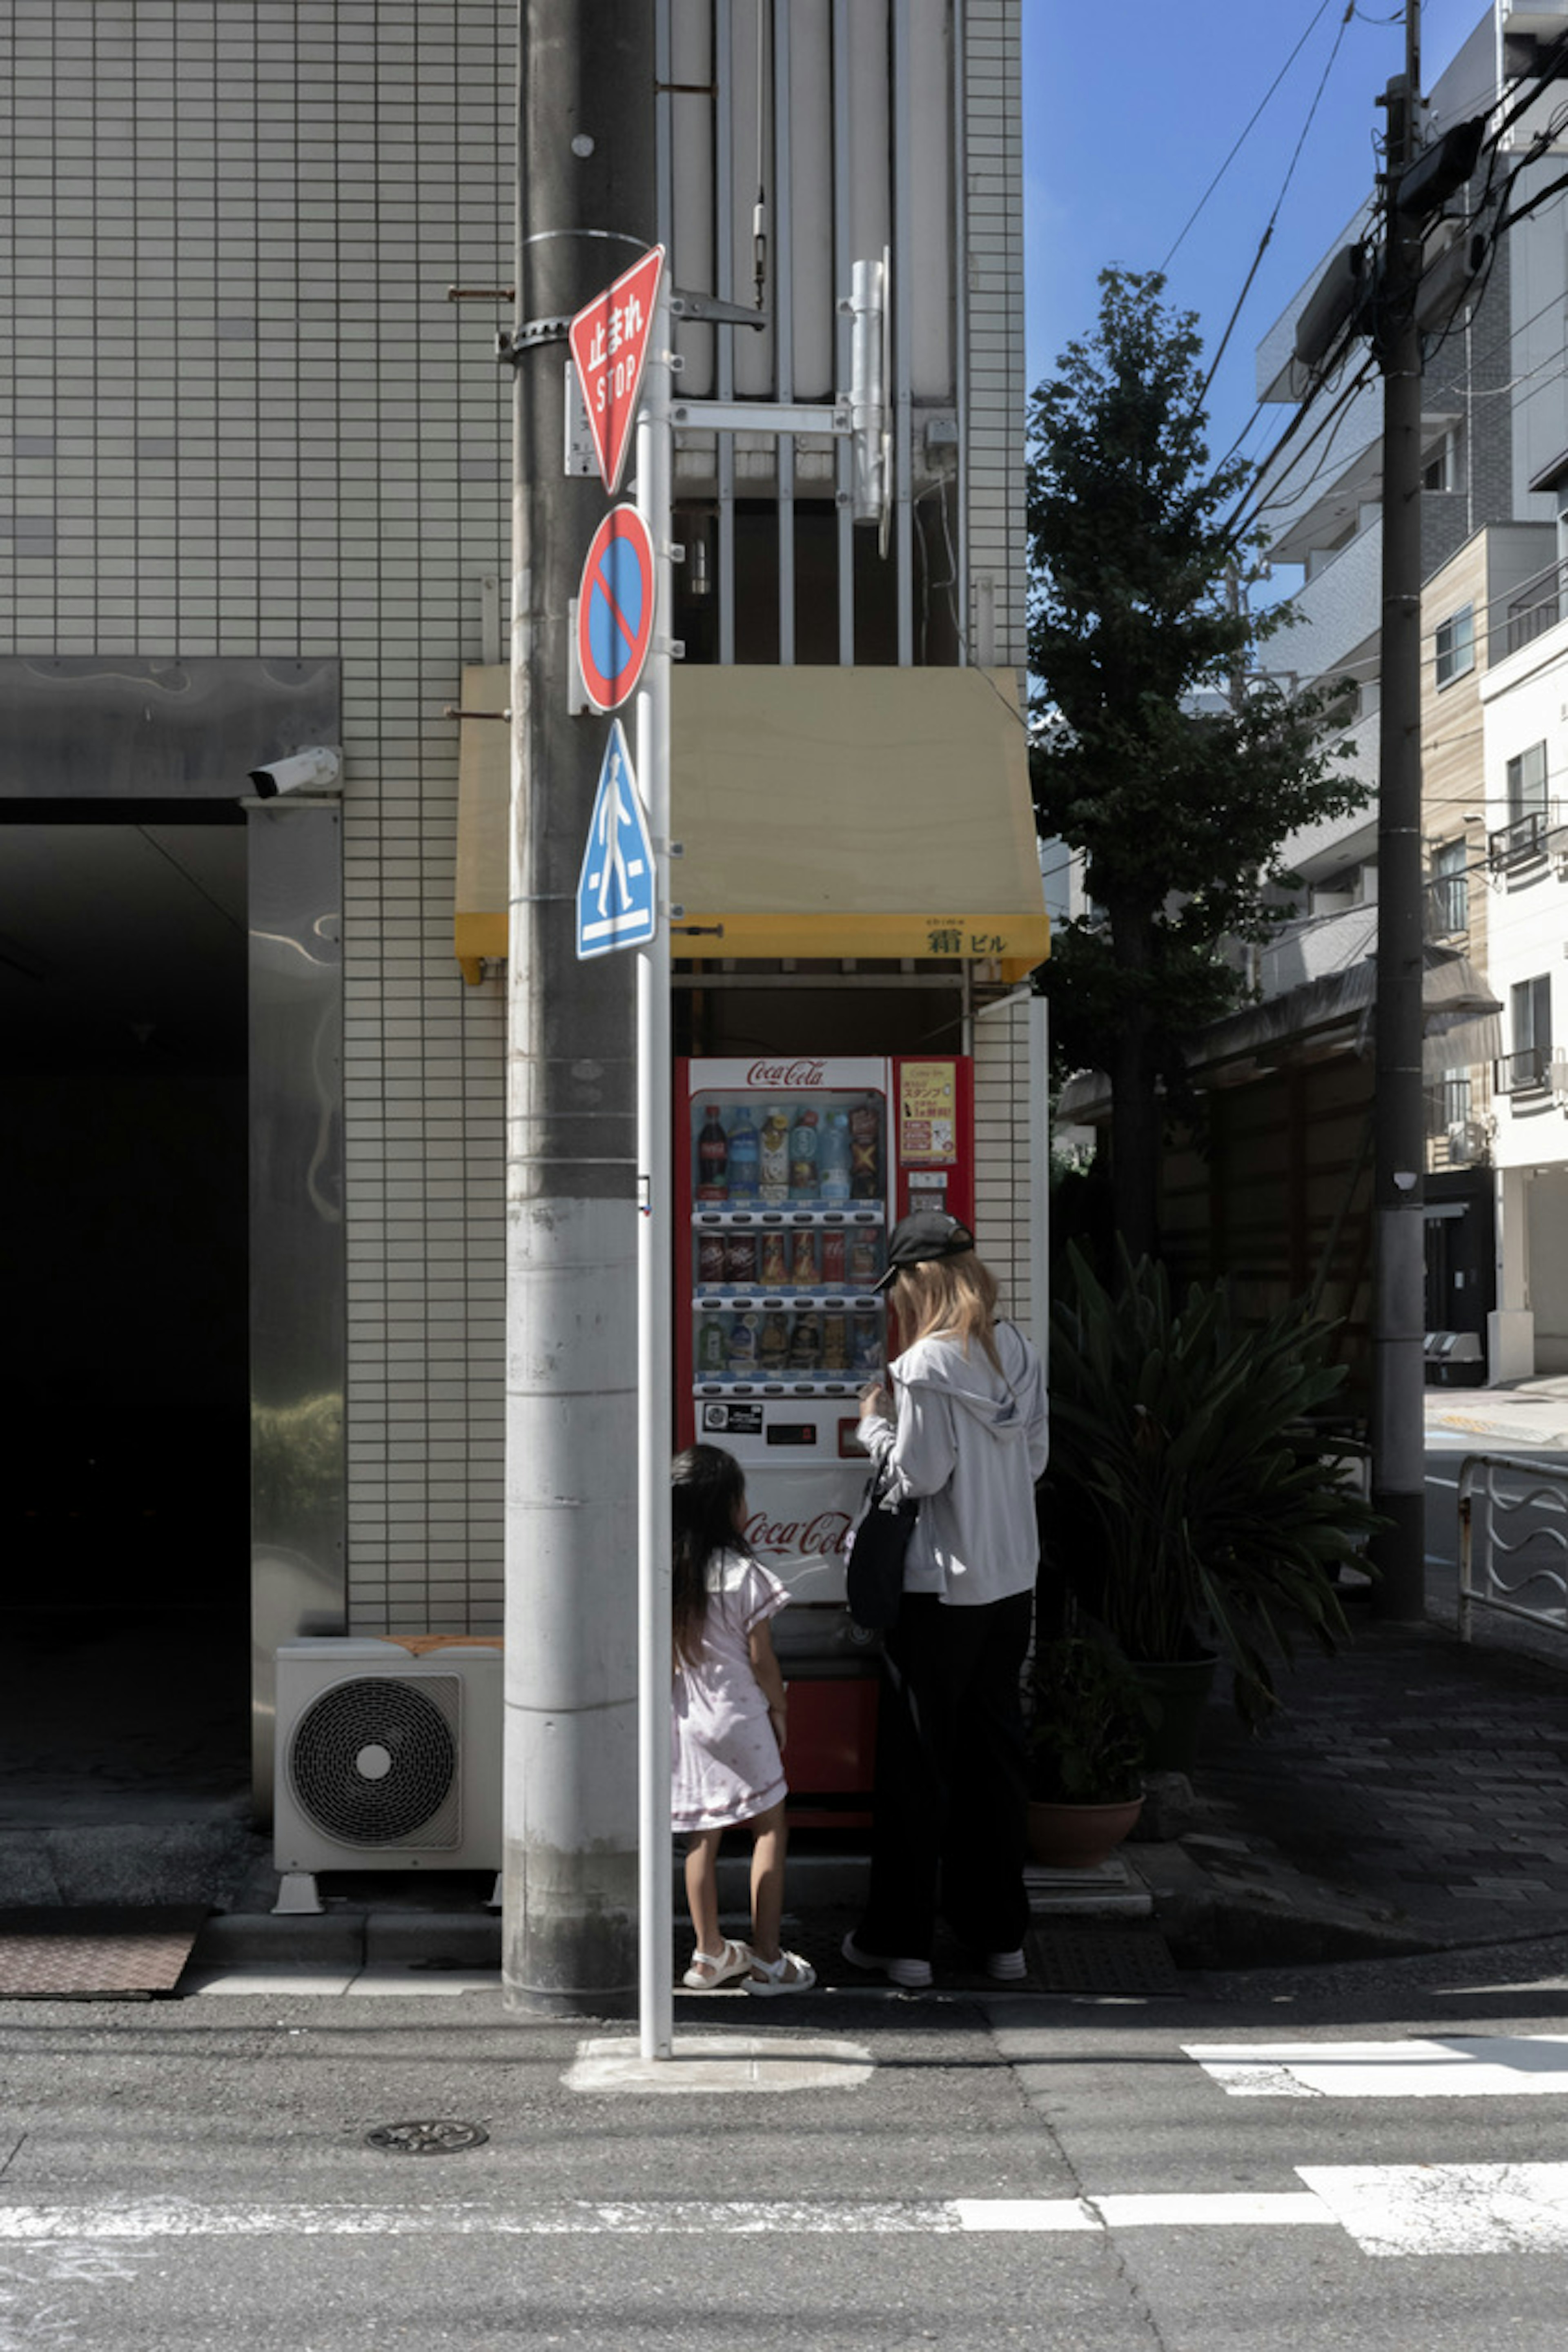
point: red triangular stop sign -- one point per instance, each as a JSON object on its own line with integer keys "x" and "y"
{"x": 609, "y": 344}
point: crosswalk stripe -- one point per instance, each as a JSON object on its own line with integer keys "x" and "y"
{"x": 1387, "y": 2210}
{"x": 1450, "y": 2066}
{"x": 1447, "y": 2209}
{"x": 627, "y": 2217}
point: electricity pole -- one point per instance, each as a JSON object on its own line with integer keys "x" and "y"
{"x": 1399, "y": 1147}
{"x": 587, "y": 206}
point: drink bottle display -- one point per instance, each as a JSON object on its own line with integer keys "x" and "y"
{"x": 833, "y": 1160}
{"x": 774, "y": 1156}
{"x": 713, "y": 1159}
{"x": 745, "y": 1157}
{"x": 774, "y": 1271}
{"x": 712, "y": 1348}
{"x": 836, "y": 1343}
{"x": 803, "y": 1143}
{"x": 710, "y": 1257}
{"x": 835, "y": 1259}
{"x": 805, "y": 1267}
{"x": 773, "y": 1344}
{"x": 865, "y": 1261}
{"x": 867, "y": 1359}
{"x": 865, "y": 1174}
{"x": 741, "y": 1259}
{"x": 743, "y": 1344}
{"x": 806, "y": 1344}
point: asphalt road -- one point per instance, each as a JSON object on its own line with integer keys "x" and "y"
{"x": 1035, "y": 2172}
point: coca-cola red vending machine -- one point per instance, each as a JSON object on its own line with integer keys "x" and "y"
{"x": 791, "y": 1174}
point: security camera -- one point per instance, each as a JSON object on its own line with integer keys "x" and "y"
{"x": 312, "y": 771}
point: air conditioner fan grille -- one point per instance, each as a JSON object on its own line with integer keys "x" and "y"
{"x": 375, "y": 1762}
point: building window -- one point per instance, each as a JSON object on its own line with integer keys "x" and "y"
{"x": 1448, "y": 892}
{"x": 1441, "y": 468}
{"x": 1527, "y": 783}
{"x": 1529, "y": 1016}
{"x": 1523, "y": 837}
{"x": 1456, "y": 645}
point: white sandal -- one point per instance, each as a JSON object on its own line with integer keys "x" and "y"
{"x": 734, "y": 1960}
{"x": 788, "y": 1973}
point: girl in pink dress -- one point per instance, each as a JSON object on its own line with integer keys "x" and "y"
{"x": 729, "y": 1705}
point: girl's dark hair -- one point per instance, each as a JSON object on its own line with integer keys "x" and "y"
{"x": 707, "y": 1485}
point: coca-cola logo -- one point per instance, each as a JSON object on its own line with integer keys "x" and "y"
{"x": 813, "y": 1537}
{"x": 786, "y": 1074}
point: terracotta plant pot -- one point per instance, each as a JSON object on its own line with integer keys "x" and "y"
{"x": 1078, "y": 1837}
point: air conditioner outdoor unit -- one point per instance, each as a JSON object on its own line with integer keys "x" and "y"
{"x": 385, "y": 1760}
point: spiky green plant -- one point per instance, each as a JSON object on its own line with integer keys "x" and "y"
{"x": 1089, "y": 1724}
{"x": 1189, "y": 1505}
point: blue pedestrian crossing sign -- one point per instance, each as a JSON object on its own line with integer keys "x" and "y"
{"x": 615, "y": 905}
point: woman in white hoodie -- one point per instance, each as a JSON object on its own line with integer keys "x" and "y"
{"x": 964, "y": 1432}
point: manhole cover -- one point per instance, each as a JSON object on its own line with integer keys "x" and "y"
{"x": 1083, "y": 1960}
{"x": 427, "y": 2140}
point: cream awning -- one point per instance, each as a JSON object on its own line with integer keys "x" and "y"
{"x": 821, "y": 813}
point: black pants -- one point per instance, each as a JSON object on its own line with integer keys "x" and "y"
{"x": 951, "y": 1780}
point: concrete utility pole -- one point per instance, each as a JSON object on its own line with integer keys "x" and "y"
{"x": 586, "y": 204}
{"x": 1399, "y": 1146}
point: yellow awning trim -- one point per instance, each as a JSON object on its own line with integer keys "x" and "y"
{"x": 821, "y": 814}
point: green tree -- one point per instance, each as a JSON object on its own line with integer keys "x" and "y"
{"x": 1175, "y": 769}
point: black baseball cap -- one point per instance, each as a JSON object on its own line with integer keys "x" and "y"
{"x": 928, "y": 1234}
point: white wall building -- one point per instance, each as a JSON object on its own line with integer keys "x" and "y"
{"x": 1525, "y": 700}
{"x": 1495, "y": 434}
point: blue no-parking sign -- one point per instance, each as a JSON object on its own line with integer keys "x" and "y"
{"x": 615, "y": 888}
{"x": 615, "y": 608}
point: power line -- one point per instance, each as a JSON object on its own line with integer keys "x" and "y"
{"x": 1320, "y": 12}
{"x": 1284, "y": 191}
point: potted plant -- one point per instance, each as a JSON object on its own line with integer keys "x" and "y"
{"x": 1089, "y": 1723}
{"x": 1190, "y": 1507}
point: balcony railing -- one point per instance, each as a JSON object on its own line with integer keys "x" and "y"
{"x": 1447, "y": 906}
{"x": 1535, "y": 607}
{"x": 1521, "y": 842}
{"x": 1523, "y": 1073}
{"x": 1446, "y": 1105}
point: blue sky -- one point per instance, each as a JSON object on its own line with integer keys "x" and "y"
{"x": 1130, "y": 114}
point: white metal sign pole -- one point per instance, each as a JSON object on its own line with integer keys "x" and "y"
{"x": 655, "y": 1163}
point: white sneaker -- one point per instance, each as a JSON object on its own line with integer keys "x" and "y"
{"x": 1007, "y": 1967}
{"x": 914, "y": 1976}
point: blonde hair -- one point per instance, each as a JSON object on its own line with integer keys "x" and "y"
{"x": 949, "y": 1298}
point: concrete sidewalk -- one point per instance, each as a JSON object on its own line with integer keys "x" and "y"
{"x": 1411, "y": 1796}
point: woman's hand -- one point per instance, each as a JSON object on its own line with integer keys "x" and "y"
{"x": 876, "y": 1404}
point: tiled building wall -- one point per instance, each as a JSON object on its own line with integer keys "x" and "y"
{"x": 1004, "y": 1170}
{"x": 994, "y": 275}
{"x": 241, "y": 417}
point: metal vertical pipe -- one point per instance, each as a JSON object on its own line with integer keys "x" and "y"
{"x": 724, "y": 283}
{"x": 960, "y": 307}
{"x": 843, "y": 457}
{"x": 656, "y": 1167}
{"x": 784, "y": 329}
{"x": 586, "y": 203}
{"x": 899, "y": 294}
{"x": 1399, "y": 1149}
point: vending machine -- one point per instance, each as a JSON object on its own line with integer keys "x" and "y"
{"x": 790, "y": 1175}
